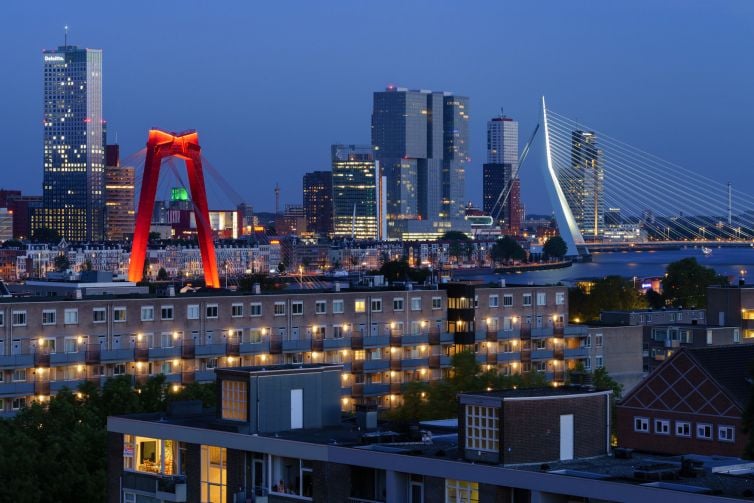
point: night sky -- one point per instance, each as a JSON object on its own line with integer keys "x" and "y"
{"x": 269, "y": 86}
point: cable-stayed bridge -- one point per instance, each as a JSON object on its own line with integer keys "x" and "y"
{"x": 605, "y": 192}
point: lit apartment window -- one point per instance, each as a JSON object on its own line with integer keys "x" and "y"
{"x": 482, "y": 428}
{"x": 704, "y": 431}
{"x": 255, "y": 309}
{"x": 682, "y": 429}
{"x": 460, "y": 491}
{"x": 99, "y": 315}
{"x": 726, "y": 433}
{"x": 526, "y": 300}
{"x": 338, "y": 307}
{"x": 662, "y": 426}
{"x": 213, "y": 483}
{"x": 236, "y": 310}
{"x": 211, "y": 311}
{"x": 559, "y": 298}
{"x": 494, "y": 301}
{"x": 436, "y": 302}
{"x": 192, "y": 312}
{"x": 398, "y": 304}
{"x": 376, "y": 305}
{"x": 297, "y": 308}
{"x": 166, "y": 312}
{"x": 234, "y": 400}
{"x": 416, "y": 303}
{"x": 48, "y": 317}
{"x": 641, "y": 424}
{"x": 320, "y": 307}
{"x": 279, "y": 309}
{"x": 359, "y": 306}
{"x": 147, "y": 313}
{"x": 18, "y": 318}
{"x": 119, "y": 315}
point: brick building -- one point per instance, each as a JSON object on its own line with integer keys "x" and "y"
{"x": 692, "y": 403}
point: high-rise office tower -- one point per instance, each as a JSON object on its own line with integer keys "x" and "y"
{"x": 500, "y": 174}
{"x": 120, "y": 183}
{"x": 74, "y": 154}
{"x": 318, "y": 202}
{"x": 421, "y": 141}
{"x": 583, "y": 183}
{"x": 358, "y": 193}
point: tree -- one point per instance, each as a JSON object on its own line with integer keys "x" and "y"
{"x": 606, "y": 294}
{"x": 12, "y": 243}
{"x": 399, "y": 270}
{"x": 281, "y": 268}
{"x": 154, "y": 236}
{"x": 87, "y": 265}
{"x": 459, "y": 244}
{"x": 61, "y": 263}
{"x": 686, "y": 281}
{"x": 162, "y": 274}
{"x": 505, "y": 249}
{"x": 555, "y": 247}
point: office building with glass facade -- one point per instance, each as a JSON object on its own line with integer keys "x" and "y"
{"x": 358, "y": 194}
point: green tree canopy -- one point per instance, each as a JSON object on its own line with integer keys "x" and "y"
{"x": 162, "y": 274}
{"x": 555, "y": 247}
{"x": 399, "y": 270}
{"x": 61, "y": 263}
{"x": 507, "y": 248}
{"x": 686, "y": 281}
{"x": 459, "y": 244}
{"x": 606, "y": 294}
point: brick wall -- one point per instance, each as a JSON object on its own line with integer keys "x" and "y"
{"x": 531, "y": 428}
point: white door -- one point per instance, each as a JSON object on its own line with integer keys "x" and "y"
{"x": 566, "y": 437}
{"x": 297, "y": 409}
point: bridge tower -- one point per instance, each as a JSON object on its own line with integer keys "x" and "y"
{"x": 184, "y": 145}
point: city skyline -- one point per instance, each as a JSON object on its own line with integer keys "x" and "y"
{"x": 677, "y": 71}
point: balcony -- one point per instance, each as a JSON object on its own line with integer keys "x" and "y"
{"x": 558, "y": 352}
{"x": 491, "y": 336}
{"x": 376, "y": 341}
{"x": 276, "y": 345}
{"x": 357, "y": 341}
{"x": 117, "y": 355}
{"x": 508, "y": 357}
{"x": 188, "y": 349}
{"x": 262, "y": 346}
{"x": 204, "y": 375}
{"x": 42, "y": 387}
{"x": 92, "y": 355}
{"x": 434, "y": 336}
{"x": 41, "y": 358}
{"x": 357, "y": 390}
{"x": 395, "y": 341}
{"x": 162, "y": 487}
{"x": 395, "y": 388}
{"x": 376, "y": 389}
{"x": 434, "y": 362}
{"x": 396, "y": 364}
{"x": 357, "y": 366}
{"x": 233, "y": 347}
{"x": 211, "y": 349}
{"x": 66, "y": 358}
{"x": 492, "y": 358}
{"x": 558, "y": 330}
{"x": 141, "y": 351}
{"x": 373, "y": 365}
{"x": 413, "y": 363}
{"x": 71, "y": 384}
{"x": 12, "y": 361}
{"x": 415, "y": 339}
{"x": 539, "y": 332}
{"x": 16, "y": 388}
{"x": 525, "y": 333}
{"x": 164, "y": 353}
{"x": 295, "y": 345}
{"x": 341, "y": 342}
{"x": 188, "y": 377}
{"x": 542, "y": 354}
{"x": 318, "y": 344}
{"x": 576, "y": 352}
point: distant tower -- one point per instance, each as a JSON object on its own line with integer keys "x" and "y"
{"x": 318, "y": 202}
{"x": 119, "y": 196}
{"x": 277, "y": 198}
{"x": 500, "y": 173}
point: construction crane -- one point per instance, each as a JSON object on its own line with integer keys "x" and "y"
{"x": 502, "y": 199}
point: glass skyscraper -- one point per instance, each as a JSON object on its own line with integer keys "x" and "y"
{"x": 499, "y": 171}
{"x": 357, "y": 188}
{"x": 73, "y": 190}
{"x": 583, "y": 183}
{"x": 421, "y": 140}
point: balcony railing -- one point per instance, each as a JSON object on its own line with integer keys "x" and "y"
{"x": 395, "y": 388}
{"x": 276, "y": 345}
{"x": 396, "y": 364}
{"x": 233, "y": 347}
{"x": 357, "y": 390}
{"x": 491, "y": 335}
{"x": 42, "y": 387}
{"x": 42, "y": 358}
{"x": 188, "y": 349}
{"x": 357, "y": 366}
{"x": 357, "y": 341}
{"x": 318, "y": 344}
{"x": 141, "y": 351}
{"x": 395, "y": 340}
{"x": 434, "y": 362}
{"x": 188, "y": 377}
{"x": 434, "y": 336}
{"x": 92, "y": 356}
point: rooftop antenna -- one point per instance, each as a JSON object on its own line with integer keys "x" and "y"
{"x": 502, "y": 112}
{"x": 65, "y": 37}
{"x": 277, "y": 198}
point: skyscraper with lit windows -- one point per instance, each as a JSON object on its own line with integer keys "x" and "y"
{"x": 73, "y": 190}
{"x": 358, "y": 200}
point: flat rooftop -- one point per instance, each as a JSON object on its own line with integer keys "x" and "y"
{"x": 545, "y": 391}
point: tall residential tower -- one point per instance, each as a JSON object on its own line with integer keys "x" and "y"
{"x": 73, "y": 200}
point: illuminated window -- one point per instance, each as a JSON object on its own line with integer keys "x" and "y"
{"x": 460, "y": 491}
{"x": 234, "y": 400}
{"x": 359, "y": 306}
{"x": 213, "y": 474}
{"x": 482, "y": 431}
{"x": 119, "y": 314}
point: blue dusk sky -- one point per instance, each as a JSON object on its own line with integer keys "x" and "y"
{"x": 270, "y": 85}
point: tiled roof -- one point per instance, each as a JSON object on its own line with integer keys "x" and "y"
{"x": 730, "y": 366}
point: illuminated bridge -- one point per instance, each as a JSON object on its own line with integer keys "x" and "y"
{"x": 607, "y": 194}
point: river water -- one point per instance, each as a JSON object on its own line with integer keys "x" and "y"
{"x": 639, "y": 264}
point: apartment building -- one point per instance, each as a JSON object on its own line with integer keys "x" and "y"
{"x": 276, "y": 436}
{"x": 384, "y": 337}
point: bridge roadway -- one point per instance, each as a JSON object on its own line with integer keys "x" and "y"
{"x": 666, "y": 245}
